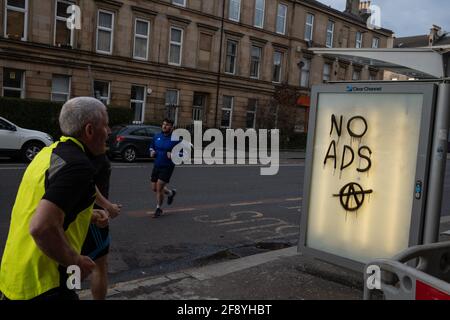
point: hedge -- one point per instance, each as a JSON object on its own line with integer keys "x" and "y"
{"x": 43, "y": 115}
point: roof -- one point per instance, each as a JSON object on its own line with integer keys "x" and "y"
{"x": 420, "y": 41}
{"x": 422, "y": 63}
{"x": 343, "y": 14}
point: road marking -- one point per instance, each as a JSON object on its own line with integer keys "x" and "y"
{"x": 294, "y": 199}
{"x": 174, "y": 210}
{"x": 245, "y": 204}
{"x": 290, "y": 208}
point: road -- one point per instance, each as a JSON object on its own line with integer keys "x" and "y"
{"x": 219, "y": 213}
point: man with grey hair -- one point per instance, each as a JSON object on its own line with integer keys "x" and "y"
{"x": 53, "y": 210}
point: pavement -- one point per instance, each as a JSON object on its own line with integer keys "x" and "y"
{"x": 282, "y": 274}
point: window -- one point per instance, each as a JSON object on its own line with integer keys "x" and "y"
{"x": 304, "y": 79}
{"x": 204, "y": 55}
{"x": 60, "y": 88}
{"x": 309, "y": 28}
{"x": 326, "y": 72}
{"x": 176, "y": 45}
{"x": 277, "y": 62}
{"x": 356, "y": 75}
{"x": 251, "y": 113}
{"x": 13, "y": 83}
{"x": 372, "y": 77}
{"x": 172, "y": 101}
{"x": 141, "y": 36}
{"x": 105, "y": 24}
{"x": 255, "y": 62}
{"x": 259, "y": 13}
{"x": 198, "y": 106}
{"x": 281, "y": 18}
{"x": 330, "y": 34}
{"x": 375, "y": 43}
{"x": 102, "y": 91}
{"x": 359, "y": 39}
{"x": 227, "y": 112}
{"x": 179, "y": 2}
{"x": 230, "y": 62}
{"x": 63, "y": 36}
{"x": 138, "y": 103}
{"x": 16, "y": 22}
{"x": 234, "y": 10}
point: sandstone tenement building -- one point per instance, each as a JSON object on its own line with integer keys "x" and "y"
{"x": 212, "y": 60}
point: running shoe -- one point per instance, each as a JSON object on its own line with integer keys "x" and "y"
{"x": 170, "y": 198}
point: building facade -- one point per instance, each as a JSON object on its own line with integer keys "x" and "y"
{"x": 218, "y": 61}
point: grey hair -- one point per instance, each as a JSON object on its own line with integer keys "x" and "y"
{"x": 77, "y": 113}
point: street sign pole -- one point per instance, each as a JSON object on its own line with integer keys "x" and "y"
{"x": 437, "y": 165}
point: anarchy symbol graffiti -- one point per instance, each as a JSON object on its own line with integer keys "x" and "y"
{"x": 352, "y": 196}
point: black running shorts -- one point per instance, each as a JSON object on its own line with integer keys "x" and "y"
{"x": 162, "y": 173}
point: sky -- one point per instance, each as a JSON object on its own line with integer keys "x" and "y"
{"x": 408, "y": 17}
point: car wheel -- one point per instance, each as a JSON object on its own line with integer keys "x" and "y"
{"x": 30, "y": 150}
{"x": 129, "y": 154}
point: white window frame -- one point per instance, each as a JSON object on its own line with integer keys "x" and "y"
{"x": 57, "y": 18}
{"x": 140, "y": 101}
{"x": 307, "y": 24}
{"x": 359, "y": 42}
{"x": 68, "y": 93}
{"x": 230, "y": 4}
{"x": 330, "y": 33}
{"x": 235, "y": 56}
{"x": 111, "y": 37}
{"x": 25, "y": 24}
{"x": 263, "y": 11}
{"x": 183, "y": 4}
{"x": 254, "y": 114}
{"x": 177, "y": 104}
{"x": 180, "y": 44}
{"x": 22, "y": 85}
{"x": 140, "y": 36}
{"x": 280, "y": 76}
{"x": 199, "y": 110}
{"x": 376, "y": 41}
{"x": 307, "y": 62}
{"x": 108, "y": 100}
{"x": 227, "y": 109}
{"x": 281, "y": 17}
{"x": 259, "y": 62}
{"x": 325, "y": 75}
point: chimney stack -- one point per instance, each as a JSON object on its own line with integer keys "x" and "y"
{"x": 364, "y": 10}
{"x": 353, "y": 7}
{"x": 435, "y": 34}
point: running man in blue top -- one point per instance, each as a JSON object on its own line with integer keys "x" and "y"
{"x": 161, "y": 149}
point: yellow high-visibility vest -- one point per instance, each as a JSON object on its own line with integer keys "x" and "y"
{"x": 25, "y": 271}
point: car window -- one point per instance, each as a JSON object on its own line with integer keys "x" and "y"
{"x": 154, "y": 130}
{"x": 139, "y": 132}
{"x": 151, "y": 132}
{"x": 4, "y": 125}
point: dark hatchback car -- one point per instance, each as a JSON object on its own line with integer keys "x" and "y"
{"x": 131, "y": 141}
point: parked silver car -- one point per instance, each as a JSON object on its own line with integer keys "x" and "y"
{"x": 19, "y": 142}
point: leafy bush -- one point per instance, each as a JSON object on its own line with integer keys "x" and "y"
{"x": 43, "y": 115}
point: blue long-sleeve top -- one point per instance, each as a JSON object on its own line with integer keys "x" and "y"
{"x": 162, "y": 144}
